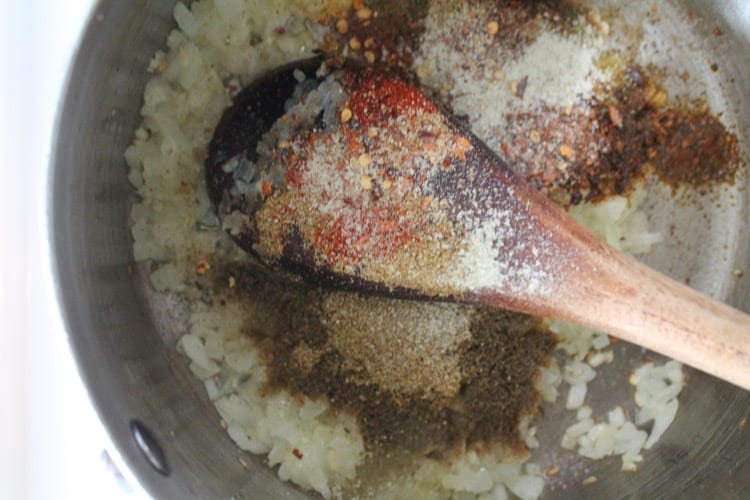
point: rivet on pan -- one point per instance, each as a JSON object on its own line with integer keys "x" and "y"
{"x": 150, "y": 448}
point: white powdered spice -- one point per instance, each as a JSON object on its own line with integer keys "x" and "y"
{"x": 554, "y": 69}
{"x": 486, "y": 263}
{"x": 560, "y": 70}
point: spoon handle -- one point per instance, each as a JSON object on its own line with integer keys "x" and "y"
{"x": 631, "y": 301}
{"x": 647, "y": 308}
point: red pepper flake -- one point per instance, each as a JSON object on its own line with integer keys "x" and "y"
{"x": 366, "y": 182}
{"x": 342, "y": 26}
{"x": 589, "y": 480}
{"x": 297, "y": 454}
{"x": 615, "y": 116}
{"x": 202, "y": 267}
{"x": 353, "y": 145}
{"x": 266, "y": 189}
{"x": 460, "y": 147}
{"x": 364, "y": 160}
{"x": 364, "y": 13}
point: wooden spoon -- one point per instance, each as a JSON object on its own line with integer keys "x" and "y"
{"x": 369, "y": 186}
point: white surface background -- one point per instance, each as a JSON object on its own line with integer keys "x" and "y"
{"x": 51, "y": 441}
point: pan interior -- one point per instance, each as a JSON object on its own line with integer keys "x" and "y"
{"x": 125, "y": 335}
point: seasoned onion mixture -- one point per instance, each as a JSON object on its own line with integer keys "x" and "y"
{"x": 356, "y": 396}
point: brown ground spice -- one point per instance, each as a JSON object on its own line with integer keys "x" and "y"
{"x": 498, "y": 364}
{"x": 576, "y": 154}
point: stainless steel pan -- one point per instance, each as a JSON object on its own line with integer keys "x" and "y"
{"x": 142, "y": 387}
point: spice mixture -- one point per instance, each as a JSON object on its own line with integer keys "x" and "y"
{"x": 389, "y": 191}
{"x": 603, "y": 148}
{"x": 359, "y": 177}
{"x": 352, "y": 395}
{"x": 421, "y": 380}
{"x": 579, "y": 118}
